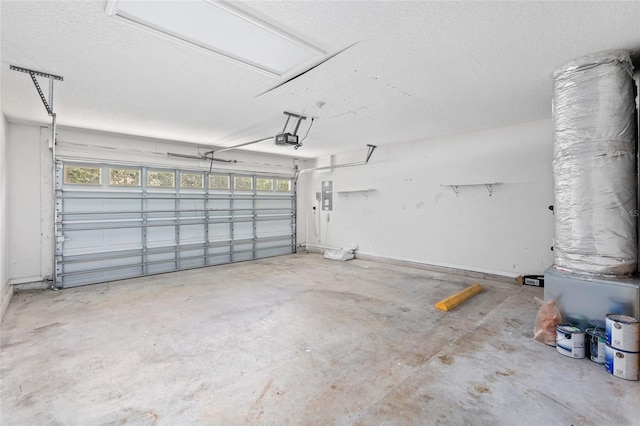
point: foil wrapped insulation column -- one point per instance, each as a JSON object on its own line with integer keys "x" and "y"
{"x": 594, "y": 165}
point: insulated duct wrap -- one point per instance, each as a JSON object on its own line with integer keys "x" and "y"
{"x": 594, "y": 165}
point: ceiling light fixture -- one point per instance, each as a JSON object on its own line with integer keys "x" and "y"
{"x": 223, "y": 30}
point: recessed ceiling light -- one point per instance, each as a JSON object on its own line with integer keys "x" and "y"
{"x": 219, "y": 28}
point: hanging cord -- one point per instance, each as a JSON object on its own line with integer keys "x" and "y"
{"x": 305, "y": 136}
{"x": 315, "y": 227}
{"x": 326, "y": 232}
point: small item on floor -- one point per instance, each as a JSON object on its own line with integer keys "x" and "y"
{"x": 595, "y": 345}
{"x": 621, "y": 363}
{"x": 547, "y": 319}
{"x": 345, "y": 253}
{"x": 570, "y": 340}
{"x": 533, "y": 280}
{"x": 461, "y": 296}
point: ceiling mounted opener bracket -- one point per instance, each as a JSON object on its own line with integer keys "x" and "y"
{"x": 48, "y": 104}
{"x": 370, "y": 152}
{"x": 289, "y": 115}
{"x": 286, "y": 138}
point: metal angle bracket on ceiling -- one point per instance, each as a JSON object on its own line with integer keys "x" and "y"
{"x": 48, "y": 104}
{"x": 370, "y": 149}
{"x": 289, "y": 115}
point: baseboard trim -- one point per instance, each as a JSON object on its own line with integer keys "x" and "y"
{"x": 32, "y": 285}
{"x": 426, "y": 266}
{"x": 7, "y": 294}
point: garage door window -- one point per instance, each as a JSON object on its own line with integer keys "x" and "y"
{"x": 157, "y": 179}
{"x": 264, "y": 184}
{"x": 243, "y": 183}
{"x": 124, "y": 177}
{"x": 219, "y": 182}
{"x": 191, "y": 181}
{"x": 283, "y": 185}
{"x": 82, "y": 175}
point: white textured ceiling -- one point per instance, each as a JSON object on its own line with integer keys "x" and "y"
{"x": 419, "y": 70}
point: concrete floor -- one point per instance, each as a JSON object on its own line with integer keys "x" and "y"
{"x": 294, "y": 340}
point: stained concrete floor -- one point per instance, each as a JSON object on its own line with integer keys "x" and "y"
{"x": 294, "y": 340}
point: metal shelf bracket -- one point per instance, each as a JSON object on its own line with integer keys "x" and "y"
{"x": 489, "y": 188}
{"x": 456, "y": 187}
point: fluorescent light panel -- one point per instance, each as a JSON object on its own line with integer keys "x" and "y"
{"x": 226, "y": 31}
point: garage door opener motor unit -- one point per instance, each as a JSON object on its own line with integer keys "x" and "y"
{"x": 286, "y": 138}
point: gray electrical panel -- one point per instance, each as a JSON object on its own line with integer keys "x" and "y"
{"x": 327, "y": 196}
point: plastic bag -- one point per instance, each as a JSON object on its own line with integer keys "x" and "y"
{"x": 346, "y": 253}
{"x": 547, "y": 319}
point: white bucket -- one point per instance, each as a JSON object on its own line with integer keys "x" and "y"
{"x": 621, "y": 363}
{"x": 623, "y": 332}
{"x": 570, "y": 341}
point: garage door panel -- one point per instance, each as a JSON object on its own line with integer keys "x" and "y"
{"x": 161, "y": 268}
{"x": 219, "y": 232}
{"x": 161, "y": 262}
{"x": 243, "y": 230}
{"x": 277, "y": 251}
{"x": 100, "y": 271}
{"x": 192, "y": 208}
{"x": 160, "y": 205}
{"x": 192, "y": 258}
{"x": 243, "y": 203}
{"x": 122, "y": 239}
{"x": 160, "y": 236}
{"x": 121, "y": 205}
{"x": 190, "y": 234}
{"x": 83, "y": 279}
{"x": 77, "y": 242}
{"x": 156, "y": 221}
{"x": 243, "y": 252}
{"x": 274, "y": 227}
{"x": 81, "y": 205}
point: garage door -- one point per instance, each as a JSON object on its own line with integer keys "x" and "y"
{"x": 115, "y": 222}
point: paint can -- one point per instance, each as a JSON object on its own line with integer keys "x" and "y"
{"x": 570, "y": 341}
{"x": 595, "y": 345}
{"x": 623, "y": 332}
{"x": 621, "y": 363}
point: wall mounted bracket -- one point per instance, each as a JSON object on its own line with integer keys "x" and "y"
{"x": 456, "y": 187}
{"x": 370, "y": 149}
{"x": 48, "y": 103}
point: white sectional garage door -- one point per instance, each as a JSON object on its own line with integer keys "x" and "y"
{"x": 115, "y": 222}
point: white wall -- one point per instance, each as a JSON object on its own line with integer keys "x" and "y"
{"x": 30, "y": 213}
{"x": 6, "y": 290}
{"x": 24, "y": 180}
{"x": 411, "y": 217}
